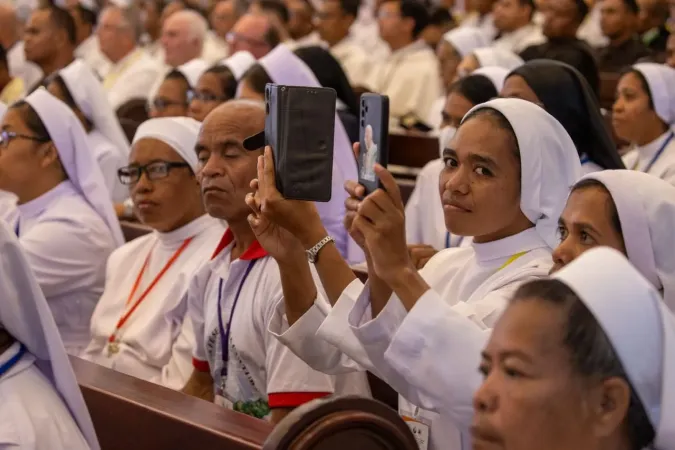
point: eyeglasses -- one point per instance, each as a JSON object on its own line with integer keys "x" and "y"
{"x": 7, "y": 136}
{"x": 207, "y": 97}
{"x": 160, "y": 104}
{"x": 155, "y": 170}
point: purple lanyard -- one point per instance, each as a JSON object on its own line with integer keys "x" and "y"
{"x": 656, "y": 156}
{"x": 225, "y": 333}
{"x": 13, "y": 360}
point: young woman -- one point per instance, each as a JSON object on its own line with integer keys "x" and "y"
{"x": 218, "y": 84}
{"x": 488, "y": 57}
{"x": 282, "y": 66}
{"x": 564, "y": 93}
{"x": 152, "y": 341}
{"x": 79, "y": 88}
{"x": 173, "y": 96}
{"x": 66, "y": 225}
{"x": 643, "y": 114}
{"x": 506, "y": 177}
{"x": 566, "y": 367}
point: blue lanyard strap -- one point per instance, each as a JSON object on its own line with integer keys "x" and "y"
{"x": 225, "y": 333}
{"x": 584, "y": 160}
{"x": 13, "y": 360}
{"x": 16, "y": 228}
{"x": 447, "y": 240}
{"x": 658, "y": 154}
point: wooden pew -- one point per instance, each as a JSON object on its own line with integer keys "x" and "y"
{"x": 608, "y": 82}
{"x": 132, "y": 230}
{"x": 412, "y": 149}
{"x": 129, "y": 413}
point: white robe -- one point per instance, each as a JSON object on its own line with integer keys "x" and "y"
{"x": 131, "y": 78}
{"x": 19, "y": 67}
{"x": 518, "y": 40}
{"x": 215, "y": 49}
{"x": 366, "y": 33}
{"x": 8, "y": 210}
{"x": 109, "y": 159}
{"x": 353, "y": 59}
{"x": 590, "y": 30}
{"x": 32, "y": 414}
{"x": 468, "y": 288}
{"x": 486, "y": 25}
{"x": 156, "y": 342}
{"x": 410, "y": 77}
{"x": 664, "y": 167}
{"x": 90, "y": 51}
{"x": 67, "y": 245}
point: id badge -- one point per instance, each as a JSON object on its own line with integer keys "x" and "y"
{"x": 419, "y": 429}
{"x": 221, "y": 400}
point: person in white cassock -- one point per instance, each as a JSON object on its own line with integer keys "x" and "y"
{"x": 488, "y": 57}
{"x": 513, "y": 21}
{"x": 282, "y": 66}
{"x": 237, "y": 362}
{"x": 425, "y": 228}
{"x": 644, "y": 115}
{"x": 580, "y": 361}
{"x": 41, "y": 406}
{"x": 66, "y": 224}
{"x": 78, "y": 87}
{"x": 139, "y": 326}
{"x": 505, "y": 187}
{"x": 174, "y": 93}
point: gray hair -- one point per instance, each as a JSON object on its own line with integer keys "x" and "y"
{"x": 197, "y": 24}
{"x": 131, "y": 18}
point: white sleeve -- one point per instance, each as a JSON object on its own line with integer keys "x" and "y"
{"x": 414, "y": 214}
{"x": 195, "y": 314}
{"x": 179, "y": 368}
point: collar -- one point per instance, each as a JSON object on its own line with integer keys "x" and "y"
{"x": 503, "y": 248}
{"x": 37, "y": 205}
{"x": 254, "y": 251}
{"x": 647, "y": 152}
{"x": 520, "y": 32}
{"x": 187, "y": 231}
{"x": 128, "y": 60}
{"x": 408, "y": 49}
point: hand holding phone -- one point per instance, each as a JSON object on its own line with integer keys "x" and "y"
{"x": 374, "y": 139}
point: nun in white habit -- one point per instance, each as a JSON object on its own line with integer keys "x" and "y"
{"x": 489, "y": 57}
{"x": 461, "y": 291}
{"x": 172, "y": 95}
{"x": 8, "y": 211}
{"x": 66, "y": 225}
{"x": 139, "y": 326}
{"x": 585, "y": 339}
{"x": 239, "y": 63}
{"x": 78, "y": 87}
{"x": 644, "y": 115}
{"x": 41, "y": 404}
{"x": 285, "y": 68}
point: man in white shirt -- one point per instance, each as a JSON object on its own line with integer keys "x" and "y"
{"x": 232, "y": 299}
{"x": 333, "y": 19}
{"x": 513, "y": 21}
{"x": 133, "y": 72}
{"x": 10, "y": 39}
{"x": 410, "y": 74}
{"x": 84, "y": 14}
{"x": 300, "y": 26}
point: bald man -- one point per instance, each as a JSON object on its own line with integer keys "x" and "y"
{"x": 256, "y": 33}
{"x": 10, "y": 39}
{"x": 237, "y": 363}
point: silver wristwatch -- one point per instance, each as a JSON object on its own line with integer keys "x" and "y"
{"x": 313, "y": 253}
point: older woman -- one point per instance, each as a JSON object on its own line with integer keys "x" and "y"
{"x": 138, "y": 324}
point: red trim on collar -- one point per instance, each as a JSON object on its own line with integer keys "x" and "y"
{"x": 254, "y": 251}
{"x": 293, "y": 399}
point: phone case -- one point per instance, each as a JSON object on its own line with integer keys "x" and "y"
{"x": 374, "y": 138}
{"x": 299, "y": 126}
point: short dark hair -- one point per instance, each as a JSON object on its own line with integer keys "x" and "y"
{"x": 632, "y": 6}
{"x": 275, "y": 7}
{"x": 88, "y": 16}
{"x": 582, "y": 9}
{"x": 591, "y": 351}
{"x": 611, "y": 206}
{"x": 228, "y": 82}
{"x": 257, "y": 78}
{"x": 33, "y": 120}
{"x": 63, "y": 21}
{"x": 272, "y": 37}
{"x": 440, "y": 16}
{"x": 176, "y": 74}
{"x": 475, "y": 88}
{"x": 415, "y": 10}
{"x": 3, "y": 58}
{"x": 350, "y": 7}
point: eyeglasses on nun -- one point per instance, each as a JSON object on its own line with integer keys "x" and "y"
{"x": 154, "y": 170}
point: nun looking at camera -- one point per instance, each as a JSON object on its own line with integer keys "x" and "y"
{"x": 66, "y": 222}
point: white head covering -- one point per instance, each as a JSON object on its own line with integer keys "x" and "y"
{"x": 490, "y": 56}
{"x": 639, "y": 326}
{"x": 88, "y": 93}
{"x": 192, "y": 70}
{"x": 77, "y": 158}
{"x": 86, "y": 4}
{"x": 495, "y": 74}
{"x": 549, "y": 162}
{"x": 178, "y": 132}
{"x": 646, "y": 208}
{"x": 466, "y": 39}
{"x": 24, "y": 313}
{"x": 239, "y": 63}
{"x": 661, "y": 81}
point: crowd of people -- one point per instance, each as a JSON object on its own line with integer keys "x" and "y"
{"x": 522, "y": 297}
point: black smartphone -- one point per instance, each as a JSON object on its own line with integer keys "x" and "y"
{"x": 374, "y": 138}
{"x": 299, "y": 126}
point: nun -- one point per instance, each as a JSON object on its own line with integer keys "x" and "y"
{"x": 630, "y": 211}
{"x": 505, "y": 187}
{"x": 488, "y": 57}
{"x": 584, "y": 340}
{"x": 425, "y": 228}
{"x": 139, "y": 326}
{"x": 42, "y": 406}
{"x": 218, "y": 84}
{"x": 8, "y": 211}
{"x": 282, "y": 66}
{"x": 562, "y": 91}
{"x": 66, "y": 224}
{"x": 644, "y": 115}
{"x": 174, "y": 93}
{"x": 78, "y": 87}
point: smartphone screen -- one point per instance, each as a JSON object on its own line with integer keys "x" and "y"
{"x": 374, "y": 133}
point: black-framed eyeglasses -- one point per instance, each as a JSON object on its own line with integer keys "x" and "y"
{"x": 160, "y": 104}
{"x": 207, "y": 97}
{"x": 7, "y": 136}
{"x": 155, "y": 170}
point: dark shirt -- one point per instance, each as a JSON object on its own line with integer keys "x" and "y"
{"x": 656, "y": 39}
{"x": 615, "y": 59}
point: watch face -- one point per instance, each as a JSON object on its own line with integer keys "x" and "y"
{"x": 311, "y": 257}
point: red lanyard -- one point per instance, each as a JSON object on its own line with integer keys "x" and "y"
{"x": 145, "y": 293}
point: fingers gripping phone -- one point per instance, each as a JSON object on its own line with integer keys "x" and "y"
{"x": 374, "y": 139}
